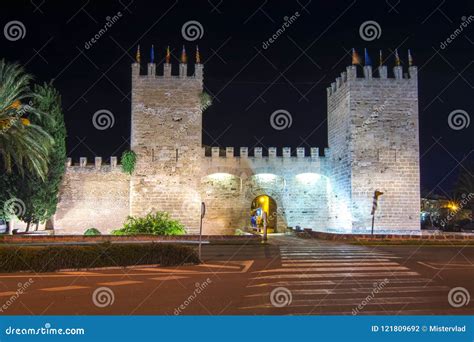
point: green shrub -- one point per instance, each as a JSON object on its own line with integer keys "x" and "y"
{"x": 159, "y": 223}
{"x": 92, "y": 232}
{"x": 53, "y": 258}
{"x": 128, "y": 161}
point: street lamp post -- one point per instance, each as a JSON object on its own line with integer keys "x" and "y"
{"x": 374, "y": 207}
{"x": 203, "y": 212}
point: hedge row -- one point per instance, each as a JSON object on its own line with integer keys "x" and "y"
{"x": 53, "y": 258}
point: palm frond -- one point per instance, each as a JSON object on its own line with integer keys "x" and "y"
{"x": 23, "y": 146}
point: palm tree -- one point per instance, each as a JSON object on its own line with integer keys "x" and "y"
{"x": 23, "y": 146}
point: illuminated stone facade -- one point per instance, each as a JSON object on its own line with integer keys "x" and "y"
{"x": 373, "y": 145}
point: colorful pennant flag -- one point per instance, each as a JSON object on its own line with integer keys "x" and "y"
{"x": 198, "y": 55}
{"x": 355, "y": 57}
{"x": 138, "y": 58}
{"x": 168, "y": 55}
{"x": 184, "y": 58}
{"x": 397, "y": 58}
{"x": 152, "y": 54}
{"x": 367, "y": 59}
{"x": 410, "y": 58}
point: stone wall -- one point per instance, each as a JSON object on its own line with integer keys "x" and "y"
{"x": 298, "y": 185}
{"x": 92, "y": 197}
{"x": 339, "y": 130}
{"x": 373, "y": 145}
{"x": 382, "y": 146}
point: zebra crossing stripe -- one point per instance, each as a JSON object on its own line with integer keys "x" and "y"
{"x": 350, "y": 302}
{"x": 360, "y": 291}
{"x": 325, "y": 269}
{"x": 362, "y": 263}
{"x": 339, "y": 275}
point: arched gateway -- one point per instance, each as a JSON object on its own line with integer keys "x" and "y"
{"x": 260, "y": 205}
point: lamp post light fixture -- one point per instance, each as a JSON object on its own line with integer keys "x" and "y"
{"x": 203, "y": 213}
{"x": 377, "y": 193}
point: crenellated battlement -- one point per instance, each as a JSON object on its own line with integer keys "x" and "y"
{"x": 166, "y": 73}
{"x": 258, "y": 152}
{"x": 97, "y": 165}
{"x": 248, "y": 162}
{"x": 378, "y": 76}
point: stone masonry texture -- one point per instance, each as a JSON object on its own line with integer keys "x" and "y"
{"x": 373, "y": 145}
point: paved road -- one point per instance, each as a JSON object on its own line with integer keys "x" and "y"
{"x": 288, "y": 276}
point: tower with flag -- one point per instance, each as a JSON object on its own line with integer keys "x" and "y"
{"x": 373, "y": 138}
{"x": 166, "y": 135}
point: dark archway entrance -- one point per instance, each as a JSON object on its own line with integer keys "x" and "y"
{"x": 260, "y": 204}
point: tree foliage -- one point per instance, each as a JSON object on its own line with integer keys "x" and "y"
{"x": 23, "y": 144}
{"x": 41, "y": 194}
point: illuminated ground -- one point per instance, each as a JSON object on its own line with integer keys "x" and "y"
{"x": 306, "y": 277}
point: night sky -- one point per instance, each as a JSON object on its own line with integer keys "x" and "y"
{"x": 247, "y": 81}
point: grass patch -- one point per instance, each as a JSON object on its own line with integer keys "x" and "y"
{"x": 53, "y": 258}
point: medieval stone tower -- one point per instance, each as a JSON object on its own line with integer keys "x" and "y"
{"x": 166, "y": 135}
{"x": 374, "y": 143}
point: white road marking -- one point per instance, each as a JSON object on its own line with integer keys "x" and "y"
{"x": 64, "y": 288}
{"x": 342, "y": 282}
{"x": 325, "y": 269}
{"x": 360, "y": 263}
{"x": 120, "y": 282}
{"x": 353, "y": 302}
{"x": 338, "y": 275}
{"x": 360, "y": 292}
{"x": 305, "y": 261}
{"x": 446, "y": 266}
